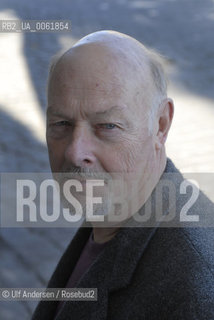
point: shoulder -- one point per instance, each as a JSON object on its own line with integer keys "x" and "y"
{"x": 175, "y": 275}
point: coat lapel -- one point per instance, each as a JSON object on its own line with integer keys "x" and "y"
{"x": 46, "y": 309}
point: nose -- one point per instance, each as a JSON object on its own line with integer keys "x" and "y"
{"x": 80, "y": 149}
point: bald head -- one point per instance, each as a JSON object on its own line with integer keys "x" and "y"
{"x": 133, "y": 52}
{"x": 119, "y": 59}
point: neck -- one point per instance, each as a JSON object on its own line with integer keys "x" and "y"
{"x": 102, "y": 235}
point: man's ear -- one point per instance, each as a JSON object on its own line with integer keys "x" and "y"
{"x": 165, "y": 116}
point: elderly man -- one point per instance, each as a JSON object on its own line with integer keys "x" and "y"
{"x": 108, "y": 112}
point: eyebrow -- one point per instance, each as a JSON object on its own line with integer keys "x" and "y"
{"x": 112, "y": 110}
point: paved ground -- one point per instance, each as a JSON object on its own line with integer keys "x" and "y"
{"x": 181, "y": 30}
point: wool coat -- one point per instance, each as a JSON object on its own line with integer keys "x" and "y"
{"x": 144, "y": 273}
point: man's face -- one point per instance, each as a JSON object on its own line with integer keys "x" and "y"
{"x": 97, "y": 120}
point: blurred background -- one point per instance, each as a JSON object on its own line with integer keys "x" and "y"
{"x": 183, "y": 31}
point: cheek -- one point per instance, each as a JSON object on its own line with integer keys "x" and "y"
{"x": 136, "y": 155}
{"x": 123, "y": 157}
{"x": 56, "y": 154}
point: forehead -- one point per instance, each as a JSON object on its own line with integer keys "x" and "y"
{"x": 90, "y": 69}
{"x": 85, "y": 88}
{"x": 96, "y": 81}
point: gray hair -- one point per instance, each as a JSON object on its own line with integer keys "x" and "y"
{"x": 156, "y": 66}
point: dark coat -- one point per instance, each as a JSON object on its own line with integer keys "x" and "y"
{"x": 150, "y": 273}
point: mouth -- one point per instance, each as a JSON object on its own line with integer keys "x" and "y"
{"x": 90, "y": 180}
{"x": 85, "y": 177}
{"x": 81, "y": 179}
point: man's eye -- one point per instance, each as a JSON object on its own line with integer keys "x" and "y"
{"x": 61, "y": 123}
{"x": 107, "y": 126}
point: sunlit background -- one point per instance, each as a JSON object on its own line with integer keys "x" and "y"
{"x": 181, "y": 30}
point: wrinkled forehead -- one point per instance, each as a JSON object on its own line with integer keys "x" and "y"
{"x": 119, "y": 65}
{"x": 89, "y": 70}
{"x": 96, "y": 71}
